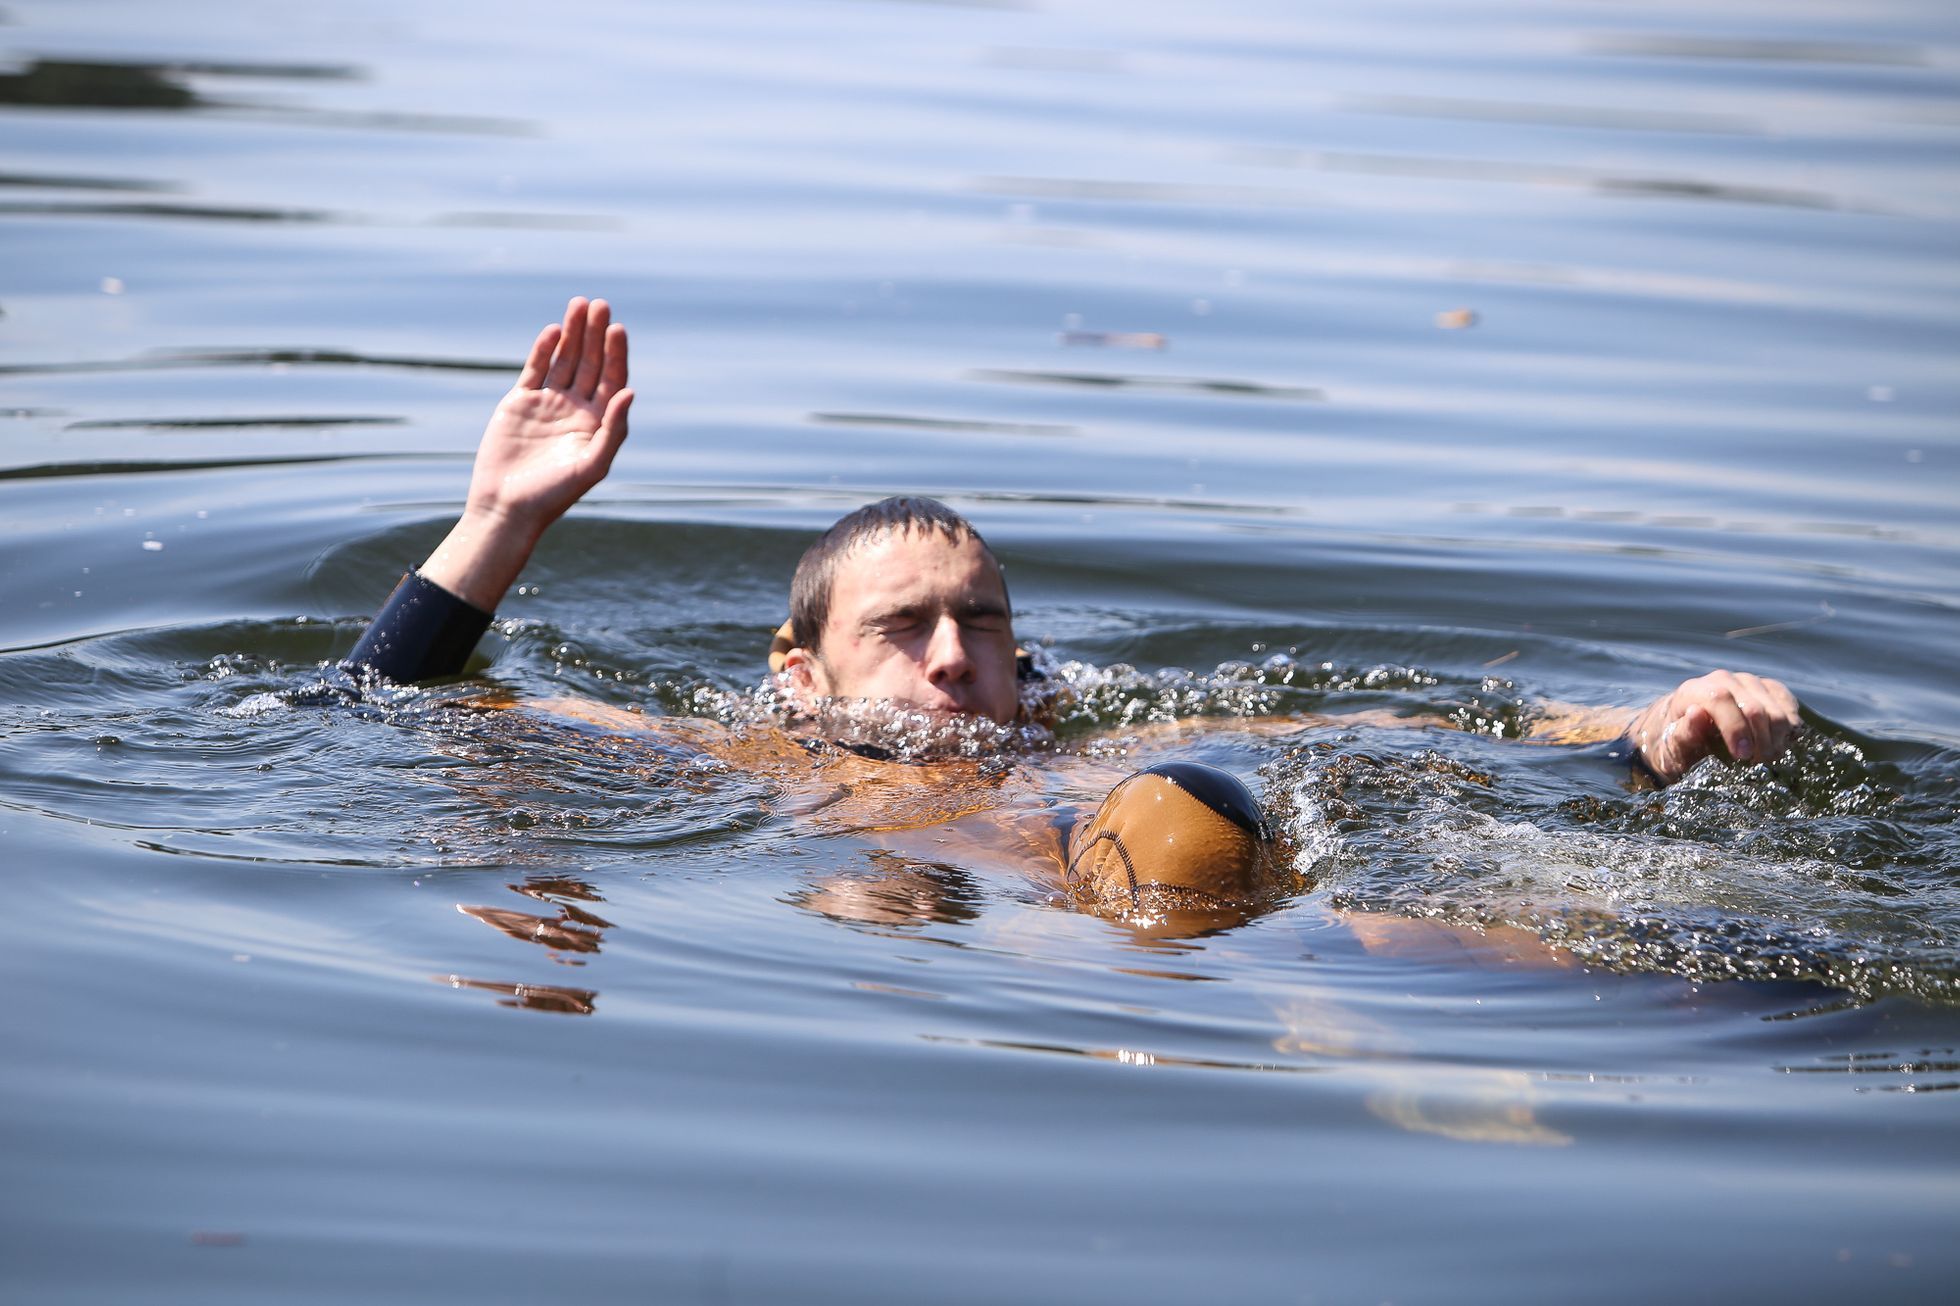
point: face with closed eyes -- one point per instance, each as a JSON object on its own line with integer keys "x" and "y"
{"x": 916, "y": 619}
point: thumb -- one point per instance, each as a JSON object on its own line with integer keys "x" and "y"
{"x": 607, "y": 439}
{"x": 1685, "y": 741}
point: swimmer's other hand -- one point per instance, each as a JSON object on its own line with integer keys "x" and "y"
{"x": 1728, "y": 713}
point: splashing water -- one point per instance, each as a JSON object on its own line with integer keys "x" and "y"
{"x": 1825, "y": 866}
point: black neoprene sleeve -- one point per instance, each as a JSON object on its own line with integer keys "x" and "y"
{"x": 423, "y": 632}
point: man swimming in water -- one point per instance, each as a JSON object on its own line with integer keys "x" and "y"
{"x": 902, "y": 602}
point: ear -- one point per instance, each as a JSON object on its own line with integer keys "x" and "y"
{"x": 809, "y": 679}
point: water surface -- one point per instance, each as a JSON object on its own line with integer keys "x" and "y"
{"x": 1296, "y": 360}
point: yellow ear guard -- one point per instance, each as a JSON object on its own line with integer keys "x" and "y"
{"x": 780, "y": 646}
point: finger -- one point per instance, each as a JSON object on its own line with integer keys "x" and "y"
{"x": 593, "y": 355}
{"x": 1733, "y": 726}
{"x": 571, "y": 342}
{"x": 540, "y": 358}
{"x": 598, "y": 456}
{"x": 613, "y": 380}
{"x": 1776, "y": 734}
{"x": 1778, "y": 707}
{"x": 1785, "y": 715}
{"x": 1761, "y": 746}
{"x": 1747, "y": 692}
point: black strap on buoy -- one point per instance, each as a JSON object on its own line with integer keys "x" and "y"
{"x": 1219, "y": 790}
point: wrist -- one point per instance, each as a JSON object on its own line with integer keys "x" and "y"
{"x": 491, "y": 520}
{"x": 482, "y": 556}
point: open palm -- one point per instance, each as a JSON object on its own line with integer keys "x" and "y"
{"x": 554, "y": 435}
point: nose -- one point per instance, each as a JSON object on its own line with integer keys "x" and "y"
{"x": 947, "y": 662}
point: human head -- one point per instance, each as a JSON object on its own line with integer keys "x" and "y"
{"x": 902, "y": 600}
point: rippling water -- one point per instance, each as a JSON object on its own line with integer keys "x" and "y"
{"x": 1416, "y": 360}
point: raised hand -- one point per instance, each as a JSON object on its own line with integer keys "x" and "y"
{"x": 551, "y": 439}
{"x": 1748, "y": 717}
{"x": 554, "y": 435}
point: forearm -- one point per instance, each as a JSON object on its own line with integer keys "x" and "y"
{"x": 1568, "y": 723}
{"x": 482, "y": 556}
{"x": 431, "y": 623}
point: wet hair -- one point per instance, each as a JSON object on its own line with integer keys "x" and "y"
{"x": 816, "y": 574}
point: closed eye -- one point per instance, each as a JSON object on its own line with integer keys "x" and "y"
{"x": 901, "y": 622}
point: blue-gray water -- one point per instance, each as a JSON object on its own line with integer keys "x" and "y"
{"x": 1509, "y": 353}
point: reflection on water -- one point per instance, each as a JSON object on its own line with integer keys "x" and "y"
{"x": 559, "y": 998}
{"x": 1550, "y": 174}
{"x": 74, "y": 181}
{"x": 134, "y": 467}
{"x": 1662, "y": 45}
{"x": 573, "y": 930}
{"x": 77, "y": 84}
{"x": 569, "y": 938}
{"x": 1116, "y": 380}
{"x": 156, "y": 209}
{"x": 225, "y": 423}
{"x": 173, "y": 358}
{"x": 894, "y": 889}
{"x": 1136, "y": 1057}
{"x": 242, "y": 213}
{"x": 1133, "y": 192}
{"x": 1919, "y": 1069}
{"x": 950, "y": 424}
{"x": 1585, "y": 117}
{"x": 91, "y": 84}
